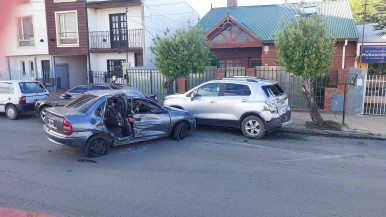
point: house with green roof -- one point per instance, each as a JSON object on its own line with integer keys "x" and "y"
{"x": 243, "y": 36}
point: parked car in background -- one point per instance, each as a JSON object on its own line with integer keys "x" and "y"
{"x": 98, "y": 120}
{"x": 19, "y": 96}
{"x": 75, "y": 92}
{"x": 255, "y": 105}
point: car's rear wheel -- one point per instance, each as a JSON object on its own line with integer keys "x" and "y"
{"x": 180, "y": 131}
{"x": 42, "y": 113}
{"x": 253, "y": 127}
{"x": 11, "y": 112}
{"x": 97, "y": 146}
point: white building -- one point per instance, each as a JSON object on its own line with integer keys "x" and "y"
{"x": 26, "y": 48}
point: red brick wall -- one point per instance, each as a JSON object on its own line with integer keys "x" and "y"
{"x": 269, "y": 58}
{"x": 349, "y": 56}
{"x": 80, "y": 7}
{"x": 242, "y": 54}
{"x": 181, "y": 85}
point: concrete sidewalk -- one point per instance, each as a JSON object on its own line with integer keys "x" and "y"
{"x": 365, "y": 126}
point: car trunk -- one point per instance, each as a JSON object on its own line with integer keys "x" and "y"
{"x": 55, "y": 116}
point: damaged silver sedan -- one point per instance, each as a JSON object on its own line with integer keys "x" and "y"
{"x": 100, "y": 119}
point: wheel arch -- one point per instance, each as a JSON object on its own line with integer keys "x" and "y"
{"x": 250, "y": 114}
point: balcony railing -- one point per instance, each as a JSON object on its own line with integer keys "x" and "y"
{"x": 103, "y": 39}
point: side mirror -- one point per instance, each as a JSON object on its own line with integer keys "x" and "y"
{"x": 192, "y": 96}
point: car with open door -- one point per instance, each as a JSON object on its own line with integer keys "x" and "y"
{"x": 98, "y": 120}
{"x": 73, "y": 93}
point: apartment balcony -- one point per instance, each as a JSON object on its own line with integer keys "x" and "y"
{"x": 100, "y": 4}
{"x": 118, "y": 41}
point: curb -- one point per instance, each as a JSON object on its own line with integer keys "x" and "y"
{"x": 292, "y": 128}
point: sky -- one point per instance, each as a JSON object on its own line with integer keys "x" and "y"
{"x": 203, "y": 6}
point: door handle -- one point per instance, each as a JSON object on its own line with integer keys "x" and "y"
{"x": 244, "y": 100}
{"x": 137, "y": 119}
{"x": 212, "y": 101}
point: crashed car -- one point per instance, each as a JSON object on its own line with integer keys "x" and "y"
{"x": 98, "y": 120}
{"x": 65, "y": 98}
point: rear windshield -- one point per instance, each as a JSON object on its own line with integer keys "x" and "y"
{"x": 31, "y": 87}
{"x": 83, "y": 103}
{"x": 273, "y": 90}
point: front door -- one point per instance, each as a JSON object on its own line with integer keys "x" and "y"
{"x": 150, "y": 119}
{"x": 46, "y": 68}
{"x": 63, "y": 77}
{"x": 118, "y": 30}
{"x": 253, "y": 62}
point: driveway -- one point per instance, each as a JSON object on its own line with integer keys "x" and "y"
{"x": 214, "y": 172}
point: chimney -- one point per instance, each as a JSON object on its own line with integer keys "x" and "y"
{"x": 231, "y": 3}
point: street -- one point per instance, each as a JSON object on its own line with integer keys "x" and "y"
{"x": 213, "y": 172}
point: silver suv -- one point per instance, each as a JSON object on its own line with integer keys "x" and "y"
{"x": 255, "y": 105}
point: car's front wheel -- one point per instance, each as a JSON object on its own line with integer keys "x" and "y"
{"x": 97, "y": 146}
{"x": 180, "y": 131}
{"x": 253, "y": 127}
{"x": 11, "y": 112}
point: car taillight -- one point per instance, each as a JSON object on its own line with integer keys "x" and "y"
{"x": 67, "y": 127}
{"x": 22, "y": 100}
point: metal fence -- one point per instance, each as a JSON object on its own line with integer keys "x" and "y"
{"x": 375, "y": 97}
{"x": 198, "y": 78}
{"x": 292, "y": 85}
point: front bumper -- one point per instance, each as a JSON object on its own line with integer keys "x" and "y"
{"x": 78, "y": 139}
{"x": 275, "y": 123}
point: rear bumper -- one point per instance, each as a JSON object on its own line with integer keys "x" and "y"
{"x": 77, "y": 139}
{"x": 276, "y": 123}
{"x": 28, "y": 107}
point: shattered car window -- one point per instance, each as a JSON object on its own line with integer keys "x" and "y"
{"x": 83, "y": 103}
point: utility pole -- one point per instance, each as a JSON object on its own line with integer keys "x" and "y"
{"x": 363, "y": 32}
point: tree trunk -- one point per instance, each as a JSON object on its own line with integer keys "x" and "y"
{"x": 169, "y": 86}
{"x": 308, "y": 91}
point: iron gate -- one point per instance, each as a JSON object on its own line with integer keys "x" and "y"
{"x": 375, "y": 97}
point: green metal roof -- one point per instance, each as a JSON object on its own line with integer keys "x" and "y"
{"x": 372, "y": 36}
{"x": 264, "y": 20}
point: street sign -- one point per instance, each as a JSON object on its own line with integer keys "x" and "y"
{"x": 373, "y": 54}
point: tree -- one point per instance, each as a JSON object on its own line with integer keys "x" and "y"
{"x": 375, "y": 12}
{"x": 303, "y": 49}
{"x": 379, "y": 17}
{"x": 180, "y": 54}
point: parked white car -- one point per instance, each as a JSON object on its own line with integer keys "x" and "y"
{"x": 19, "y": 96}
{"x": 255, "y": 106}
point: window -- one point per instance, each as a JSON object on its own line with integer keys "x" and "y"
{"x": 100, "y": 87}
{"x": 221, "y": 63}
{"x": 6, "y": 88}
{"x": 138, "y": 57}
{"x": 142, "y": 106}
{"x": 23, "y": 71}
{"x": 67, "y": 28}
{"x": 208, "y": 90}
{"x": 236, "y": 90}
{"x": 114, "y": 68}
{"x": 273, "y": 90}
{"x": 79, "y": 89}
{"x": 31, "y": 68}
{"x": 31, "y": 87}
{"x": 25, "y": 31}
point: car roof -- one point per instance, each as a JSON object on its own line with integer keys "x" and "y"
{"x": 127, "y": 92}
{"x": 17, "y": 81}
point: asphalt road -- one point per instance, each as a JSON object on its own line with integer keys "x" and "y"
{"x": 214, "y": 172}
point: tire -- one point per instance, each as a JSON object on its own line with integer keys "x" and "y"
{"x": 253, "y": 127}
{"x": 42, "y": 112}
{"x": 11, "y": 112}
{"x": 97, "y": 146}
{"x": 180, "y": 131}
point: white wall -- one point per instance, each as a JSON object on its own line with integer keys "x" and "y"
{"x": 162, "y": 14}
{"x": 77, "y": 68}
{"x": 35, "y": 9}
{"x": 99, "y": 60}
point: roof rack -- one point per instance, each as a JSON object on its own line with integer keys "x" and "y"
{"x": 244, "y": 78}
